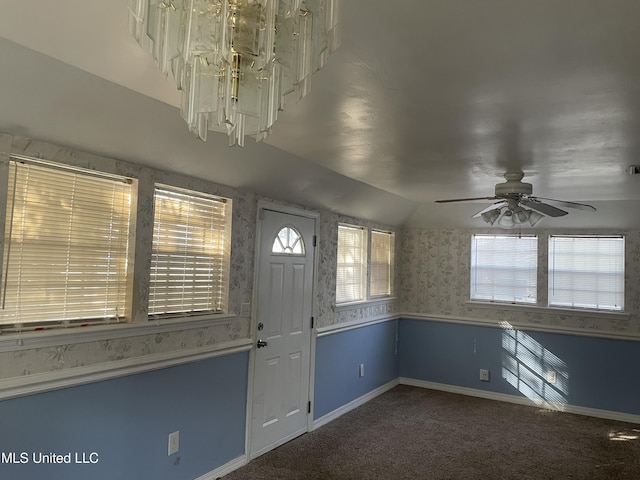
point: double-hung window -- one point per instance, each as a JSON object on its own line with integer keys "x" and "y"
{"x": 66, "y": 246}
{"x": 190, "y": 253}
{"x": 352, "y": 264}
{"x": 586, "y": 272}
{"x": 504, "y": 268}
{"x": 382, "y": 254}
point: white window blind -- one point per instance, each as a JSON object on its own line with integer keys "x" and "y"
{"x": 381, "y": 275}
{"x": 586, "y": 272}
{"x": 504, "y": 268}
{"x": 190, "y": 254}
{"x": 66, "y": 245}
{"x": 352, "y": 264}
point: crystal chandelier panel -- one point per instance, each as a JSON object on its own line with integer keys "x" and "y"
{"x": 236, "y": 61}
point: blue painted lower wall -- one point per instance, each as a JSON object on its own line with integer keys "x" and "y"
{"x": 591, "y": 372}
{"x": 338, "y": 357}
{"x": 126, "y": 422}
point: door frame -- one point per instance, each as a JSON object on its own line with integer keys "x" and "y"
{"x": 253, "y": 330}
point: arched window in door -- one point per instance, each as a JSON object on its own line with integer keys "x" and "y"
{"x": 288, "y": 241}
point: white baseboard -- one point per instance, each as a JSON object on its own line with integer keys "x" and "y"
{"x": 503, "y": 397}
{"x": 225, "y": 469}
{"x": 338, "y": 412}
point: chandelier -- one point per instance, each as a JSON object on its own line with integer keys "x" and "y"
{"x": 235, "y": 61}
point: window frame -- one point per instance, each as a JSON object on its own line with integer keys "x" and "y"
{"x": 361, "y": 262}
{"x": 136, "y": 316}
{"x": 87, "y": 184}
{"x": 506, "y": 296}
{"x": 220, "y": 306}
{"x": 285, "y": 245}
{"x": 367, "y": 265}
{"x": 543, "y": 284}
{"x": 388, "y": 264}
{"x": 618, "y": 281}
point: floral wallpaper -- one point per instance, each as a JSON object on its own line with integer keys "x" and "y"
{"x": 365, "y": 312}
{"x": 19, "y": 361}
{"x": 435, "y": 266}
{"x": 431, "y": 277}
{"x": 328, "y": 315}
{"x": 326, "y": 278}
{"x": 48, "y": 359}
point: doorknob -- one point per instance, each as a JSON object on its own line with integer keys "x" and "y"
{"x": 262, "y": 343}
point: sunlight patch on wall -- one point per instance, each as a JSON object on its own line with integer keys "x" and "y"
{"x": 534, "y": 371}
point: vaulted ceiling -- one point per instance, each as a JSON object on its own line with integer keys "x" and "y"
{"x": 424, "y": 100}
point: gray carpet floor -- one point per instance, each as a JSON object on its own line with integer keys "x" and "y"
{"x": 414, "y": 433}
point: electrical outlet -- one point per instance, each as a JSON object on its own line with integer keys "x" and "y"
{"x": 245, "y": 309}
{"x": 361, "y": 371}
{"x": 174, "y": 442}
{"x": 551, "y": 377}
{"x": 484, "y": 375}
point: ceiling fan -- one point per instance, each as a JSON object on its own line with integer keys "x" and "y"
{"x": 517, "y": 206}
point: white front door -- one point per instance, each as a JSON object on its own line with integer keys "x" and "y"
{"x": 283, "y": 328}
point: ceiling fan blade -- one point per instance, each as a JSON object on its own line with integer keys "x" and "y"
{"x": 543, "y": 208}
{"x": 495, "y": 206}
{"x": 466, "y": 199}
{"x": 564, "y": 203}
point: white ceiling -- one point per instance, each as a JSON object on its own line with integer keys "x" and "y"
{"x": 424, "y": 100}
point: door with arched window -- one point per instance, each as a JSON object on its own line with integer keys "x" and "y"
{"x": 283, "y": 327}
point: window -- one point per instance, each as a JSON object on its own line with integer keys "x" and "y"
{"x": 66, "y": 245}
{"x": 190, "y": 253}
{"x": 288, "y": 241}
{"x": 503, "y": 268}
{"x": 586, "y": 272}
{"x": 381, "y": 277}
{"x": 352, "y": 264}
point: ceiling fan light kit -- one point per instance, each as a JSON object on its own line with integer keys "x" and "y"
{"x": 506, "y": 217}
{"x": 535, "y": 218}
{"x": 517, "y": 206}
{"x": 491, "y": 216}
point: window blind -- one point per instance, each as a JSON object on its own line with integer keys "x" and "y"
{"x": 190, "y": 253}
{"x": 586, "y": 272}
{"x": 504, "y": 268}
{"x": 352, "y": 265}
{"x": 380, "y": 281}
{"x": 66, "y": 245}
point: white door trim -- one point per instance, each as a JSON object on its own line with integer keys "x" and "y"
{"x": 291, "y": 210}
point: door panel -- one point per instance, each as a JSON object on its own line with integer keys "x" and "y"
{"x": 297, "y": 296}
{"x": 284, "y": 306}
{"x": 272, "y": 373}
{"x": 275, "y": 301}
{"x": 295, "y": 372}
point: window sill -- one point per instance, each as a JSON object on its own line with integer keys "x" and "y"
{"x": 49, "y": 338}
{"x": 549, "y": 310}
